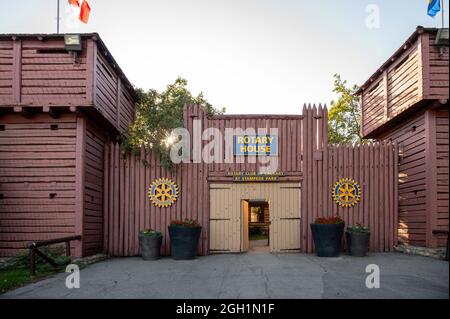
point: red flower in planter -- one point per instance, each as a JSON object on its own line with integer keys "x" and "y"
{"x": 185, "y": 223}
{"x": 332, "y": 220}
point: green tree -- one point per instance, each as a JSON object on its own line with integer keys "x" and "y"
{"x": 344, "y": 114}
{"x": 158, "y": 113}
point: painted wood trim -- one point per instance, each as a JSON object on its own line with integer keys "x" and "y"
{"x": 396, "y": 197}
{"x": 361, "y": 110}
{"x": 17, "y": 71}
{"x": 420, "y": 81}
{"x": 430, "y": 177}
{"x": 407, "y": 52}
{"x": 90, "y": 71}
{"x": 80, "y": 182}
{"x": 106, "y": 166}
{"x": 425, "y": 65}
{"x": 94, "y": 73}
{"x": 386, "y": 95}
{"x": 118, "y": 104}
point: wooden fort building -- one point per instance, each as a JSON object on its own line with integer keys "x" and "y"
{"x": 407, "y": 101}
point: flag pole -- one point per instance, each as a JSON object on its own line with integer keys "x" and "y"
{"x": 57, "y": 16}
{"x": 442, "y": 15}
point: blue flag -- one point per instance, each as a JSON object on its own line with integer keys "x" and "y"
{"x": 434, "y": 6}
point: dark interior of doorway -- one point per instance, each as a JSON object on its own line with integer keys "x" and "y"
{"x": 259, "y": 225}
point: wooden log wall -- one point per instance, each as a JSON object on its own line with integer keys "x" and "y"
{"x": 411, "y": 138}
{"x": 374, "y": 167}
{"x": 127, "y": 208}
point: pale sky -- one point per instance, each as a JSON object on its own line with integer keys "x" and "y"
{"x": 251, "y": 56}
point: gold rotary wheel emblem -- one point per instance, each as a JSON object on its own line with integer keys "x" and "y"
{"x": 163, "y": 192}
{"x": 346, "y": 192}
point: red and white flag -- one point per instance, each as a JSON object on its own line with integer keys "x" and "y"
{"x": 80, "y": 9}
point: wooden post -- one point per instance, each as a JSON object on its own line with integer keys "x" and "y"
{"x": 17, "y": 71}
{"x": 68, "y": 248}
{"x": 33, "y": 262}
{"x": 91, "y": 72}
{"x": 396, "y": 212}
{"x": 106, "y": 196}
{"x": 386, "y": 95}
{"x": 362, "y": 112}
{"x": 430, "y": 177}
{"x": 118, "y": 93}
{"x": 80, "y": 181}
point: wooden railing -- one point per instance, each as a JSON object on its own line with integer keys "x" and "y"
{"x": 33, "y": 247}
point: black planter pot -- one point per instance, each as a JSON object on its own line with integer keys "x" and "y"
{"x": 150, "y": 246}
{"x": 357, "y": 243}
{"x": 327, "y": 239}
{"x": 184, "y": 242}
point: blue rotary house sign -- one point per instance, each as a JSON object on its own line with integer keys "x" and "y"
{"x": 256, "y": 145}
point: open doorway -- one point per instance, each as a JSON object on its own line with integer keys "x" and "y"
{"x": 258, "y": 226}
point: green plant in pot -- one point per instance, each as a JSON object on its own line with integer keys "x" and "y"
{"x": 358, "y": 237}
{"x": 184, "y": 237}
{"x": 150, "y": 244}
{"x": 327, "y": 234}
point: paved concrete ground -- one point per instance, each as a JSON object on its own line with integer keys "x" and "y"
{"x": 251, "y": 275}
{"x": 260, "y": 245}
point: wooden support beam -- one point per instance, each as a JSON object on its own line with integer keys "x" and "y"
{"x": 431, "y": 177}
{"x": 118, "y": 88}
{"x": 386, "y": 95}
{"x": 54, "y": 112}
{"x": 80, "y": 181}
{"x": 27, "y": 112}
{"x": 17, "y": 71}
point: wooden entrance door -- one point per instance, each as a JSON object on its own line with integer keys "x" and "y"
{"x": 229, "y": 228}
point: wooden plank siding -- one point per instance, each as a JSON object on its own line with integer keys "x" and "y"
{"x": 442, "y": 172}
{"x": 438, "y": 76}
{"x": 106, "y": 89}
{"x": 37, "y": 180}
{"x": 93, "y": 190}
{"x": 412, "y": 190}
{"x": 51, "y": 76}
{"x": 6, "y": 72}
{"x": 423, "y": 176}
{"x": 305, "y": 157}
{"x": 416, "y": 74}
{"x": 51, "y": 181}
{"x": 38, "y": 74}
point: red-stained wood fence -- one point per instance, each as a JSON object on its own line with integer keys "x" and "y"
{"x": 317, "y": 166}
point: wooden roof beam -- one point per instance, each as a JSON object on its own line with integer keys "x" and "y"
{"x": 27, "y": 112}
{"x": 54, "y": 112}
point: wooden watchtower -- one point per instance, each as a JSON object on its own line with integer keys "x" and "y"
{"x": 406, "y": 100}
{"x": 61, "y": 99}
